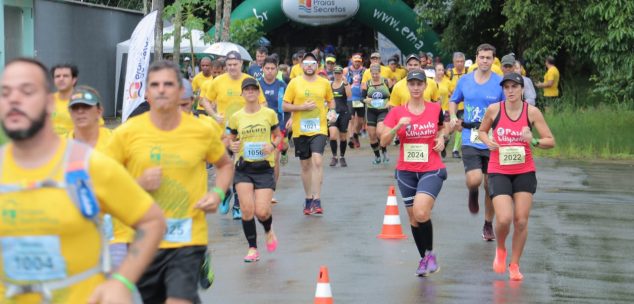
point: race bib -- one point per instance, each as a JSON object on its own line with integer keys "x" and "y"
{"x": 178, "y": 230}
{"x": 512, "y": 155}
{"x": 357, "y": 104}
{"x": 309, "y": 124}
{"x": 416, "y": 153}
{"x": 253, "y": 150}
{"x": 377, "y": 103}
{"x": 33, "y": 258}
{"x": 475, "y": 138}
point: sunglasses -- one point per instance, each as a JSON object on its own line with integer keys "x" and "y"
{"x": 309, "y": 62}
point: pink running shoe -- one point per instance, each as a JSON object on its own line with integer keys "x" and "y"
{"x": 252, "y": 255}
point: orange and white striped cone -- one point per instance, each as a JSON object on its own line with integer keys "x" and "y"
{"x": 392, "y": 220}
{"x": 323, "y": 293}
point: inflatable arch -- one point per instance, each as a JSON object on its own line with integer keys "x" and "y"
{"x": 392, "y": 18}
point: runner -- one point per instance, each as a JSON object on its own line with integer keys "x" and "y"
{"x": 254, "y": 138}
{"x": 477, "y": 90}
{"x": 354, "y": 75}
{"x": 296, "y": 70}
{"x": 223, "y": 93}
{"x": 444, "y": 84}
{"x": 306, "y": 97}
{"x": 459, "y": 69}
{"x": 339, "y": 129}
{"x": 331, "y": 61}
{"x": 65, "y": 79}
{"x": 512, "y": 180}
{"x": 39, "y": 168}
{"x": 200, "y": 78}
{"x": 400, "y": 93}
{"x": 386, "y": 73}
{"x": 376, "y": 93}
{"x": 166, "y": 151}
{"x": 420, "y": 171}
{"x": 255, "y": 69}
{"x": 274, "y": 93}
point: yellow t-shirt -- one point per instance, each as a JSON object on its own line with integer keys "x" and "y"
{"x": 443, "y": 92}
{"x": 182, "y": 154}
{"x": 494, "y": 68}
{"x": 203, "y": 89}
{"x": 552, "y": 74}
{"x": 198, "y": 81}
{"x": 453, "y": 78}
{"x": 298, "y": 92}
{"x": 59, "y": 233}
{"x": 102, "y": 140}
{"x": 296, "y": 70}
{"x": 62, "y": 123}
{"x": 227, "y": 94}
{"x": 385, "y": 73}
{"x": 400, "y": 93}
{"x": 400, "y": 73}
{"x": 254, "y": 131}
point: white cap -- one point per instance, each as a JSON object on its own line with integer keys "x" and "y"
{"x": 187, "y": 59}
{"x": 468, "y": 63}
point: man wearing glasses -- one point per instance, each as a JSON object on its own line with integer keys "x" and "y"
{"x": 306, "y": 97}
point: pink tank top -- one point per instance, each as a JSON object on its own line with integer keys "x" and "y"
{"x": 514, "y": 155}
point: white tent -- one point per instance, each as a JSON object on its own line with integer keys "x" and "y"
{"x": 168, "y": 47}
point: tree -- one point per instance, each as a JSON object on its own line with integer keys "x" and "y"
{"x": 158, "y": 29}
{"x": 226, "y": 20}
{"x": 218, "y": 20}
{"x": 186, "y": 13}
{"x": 247, "y": 33}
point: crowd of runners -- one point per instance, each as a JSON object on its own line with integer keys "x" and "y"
{"x": 93, "y": 244}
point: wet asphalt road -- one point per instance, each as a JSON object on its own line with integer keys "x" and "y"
{"x": 579, "y": 248}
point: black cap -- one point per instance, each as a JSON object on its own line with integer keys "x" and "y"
{"x": 250, "y": 82}
{"x": 309, "y": 54}
{"x": 234, "y": 55}
{"x": 412, "y": 56}
{"x": 417, "y": 75}
{"x": 514, "y": 77}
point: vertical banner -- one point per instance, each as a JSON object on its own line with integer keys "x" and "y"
{"x": 141, "y": 45}
{"x": 387, "y": 49}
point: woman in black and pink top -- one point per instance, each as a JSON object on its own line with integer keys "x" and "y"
{"x": 420, "y": 171}
{"x": 512, "y": 180}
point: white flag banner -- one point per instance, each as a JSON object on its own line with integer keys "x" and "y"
{"x": 387, "y": 48}
{"x": 141, "y": 45}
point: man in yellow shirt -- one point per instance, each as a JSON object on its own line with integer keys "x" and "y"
{"x": 398, "y": 72}
{"x": 296, "y": 70}
{"x": 386, "y": 73}
{"x": 166, "y": 150}
{"x": 224, "y": 92}
{"x": 454, "y": 75}
{"x": 201, "y": 78}
{"x": 65, "y": 79}
{"x": 306, "y": 97}
{"x": 43, "y": 217}
{"x": 400, "y": 92}
{"x": 550, "y": 83}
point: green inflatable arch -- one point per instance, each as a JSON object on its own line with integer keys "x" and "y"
{"x": 392, "y": 18}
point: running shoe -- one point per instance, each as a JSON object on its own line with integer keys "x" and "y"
{"x": 357, "y": 144}
{"x": 224, "y": 205}
{"x": 514, "y": 272}
{"x": 422, "y": 267}
{"x": 334, "y": 161}
{"x": 207, "y": 274}
{"x": 351, "y": 143}
{"x": 308, "y": 206}
{"x": 487, "y": 232}
{"x": 386, "y": 159}
{"x": 499, "y": 264}
{"x": 252, "y": 255}
{"x": 316, "y": 208}
{"x": 284, "y": 159}
{"x": 342, "y": 162}
{"x": 376, "y": 161}
{"x": 474, "y": 206}
{"x": 455, "y": 154}
{"x": 432, "y": 266}
{"x": 271, "y": 244}
{"x": 236, "y": 213}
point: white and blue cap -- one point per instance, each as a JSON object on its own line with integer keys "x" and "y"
{"x": 188, "y": 92}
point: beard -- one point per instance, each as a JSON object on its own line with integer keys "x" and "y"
{"x": 24, "y": 134}
{"x": 309, "y": 72}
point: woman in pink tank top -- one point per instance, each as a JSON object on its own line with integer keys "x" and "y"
{"x": 512, "y": 180}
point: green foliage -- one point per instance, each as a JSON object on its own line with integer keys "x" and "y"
{"x": 590, "y": 39}
{"x": 246, "y": 32}
{"x": 193, "y": 14}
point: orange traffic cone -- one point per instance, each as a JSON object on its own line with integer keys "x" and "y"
{"x": 391, "y": 221}
{"x": 323, "y": 293}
